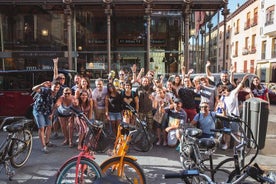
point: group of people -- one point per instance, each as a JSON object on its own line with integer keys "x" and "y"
{"x": 166, "y": 107}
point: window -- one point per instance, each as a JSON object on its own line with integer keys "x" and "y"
{"x": 269, "y": 15}
{"x": 253, "y": 45}
{"x": 246, "y": 43}
{"x": 236, "y": 48}
{"x": 263, "y": 49}
{"x": 247, "y": 23}
{"x": 255, "y": 17}
{"x": 237, "y": 27}
{"x": 273, "y": 49}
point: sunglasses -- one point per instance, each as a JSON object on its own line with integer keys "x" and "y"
{"x": 62, "y": 78}
{"x": 205, "y": 107}
{"x": 67, "y": 93}
{"x": 121, "y": 74}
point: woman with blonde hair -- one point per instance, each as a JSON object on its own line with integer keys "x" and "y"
{"x": 63, "y": 105}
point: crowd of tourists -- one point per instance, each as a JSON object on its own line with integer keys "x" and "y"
{"x": 166, "y": 106}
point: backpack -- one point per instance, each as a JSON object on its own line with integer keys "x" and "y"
{"x": 198, "y": 124}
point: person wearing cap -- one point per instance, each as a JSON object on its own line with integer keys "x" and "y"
{"x": 42, "y": 110}
{"x": 176, "y": 118}
{"x": 205, "y": 120}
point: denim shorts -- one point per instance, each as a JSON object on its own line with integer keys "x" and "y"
{"x": 41, "y": 120}
{"x": 115, "y": 116}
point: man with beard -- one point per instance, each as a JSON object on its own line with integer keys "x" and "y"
{"x": 144, "y": 93}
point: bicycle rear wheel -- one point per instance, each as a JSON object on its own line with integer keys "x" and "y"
{"x": 88, "y": 171}
{"x": 131, "y": 171}
{"x": 21, "y": 148}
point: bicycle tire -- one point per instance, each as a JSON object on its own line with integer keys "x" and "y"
{"x": 224, "y": 170}
{"x": 20, "y": 150}
{"x": 67, "y": 172}
{"x": 134, "y": 173}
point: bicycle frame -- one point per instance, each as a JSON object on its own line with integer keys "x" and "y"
{"x": 86, "y": 152}
{"x": 121, "y": 145}
{"x": 6, "y": 145}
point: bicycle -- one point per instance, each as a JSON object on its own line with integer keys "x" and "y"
{"x": 251, "y": 171}
{"x": 82, "y": 168}
{"x": 16, "y": 149}
{"x": 120, "y": 163}
{"x": 227, "y": 170}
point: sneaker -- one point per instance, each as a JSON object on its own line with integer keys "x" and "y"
{"x": 165, "y": 144}
{"x": 45, "y": 150}
{"x": 224, "y": 147}
{"x": 158, "y": 143}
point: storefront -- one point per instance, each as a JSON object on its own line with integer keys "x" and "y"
{"x": 103, "y": 35}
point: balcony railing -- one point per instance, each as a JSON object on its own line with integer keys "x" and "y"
{"x": 263, "y": 55}
{"x": 254, "y": 21}
{"x": 247, "y": 25}
{"x": 269, "y": 22}
{"x": 253, "y": 50}
{"x": 244, "y": 51}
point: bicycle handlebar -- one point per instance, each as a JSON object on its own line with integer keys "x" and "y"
{"x": 94, "y": 123}
{"x": 229, "y": 118}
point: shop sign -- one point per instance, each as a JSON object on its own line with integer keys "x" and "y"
{"x": 95, "y": 66}
{"x": 51, "y": 54}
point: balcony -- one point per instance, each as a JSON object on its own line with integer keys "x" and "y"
{"x": 269, "y": 29}
{"x": 247, "y": 25}
{"x": 253, "y": 50}
{"x": 254, "y": 21}
{"x": 245, "y": 51}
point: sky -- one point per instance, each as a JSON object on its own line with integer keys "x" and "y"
{"x": 232, "y": 4}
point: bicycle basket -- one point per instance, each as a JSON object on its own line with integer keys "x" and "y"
{"x": 142, "y": 140}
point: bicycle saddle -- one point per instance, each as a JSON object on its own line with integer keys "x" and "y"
{"x": 207, "y": 143}
{"x": 193, "y": 132}
{"x": 13, "y": 128}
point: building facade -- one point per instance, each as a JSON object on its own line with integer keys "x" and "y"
{"x": 94, "y": 37}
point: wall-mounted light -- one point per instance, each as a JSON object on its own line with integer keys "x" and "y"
{"x": 80, "y": 48}
{"x": 44, "y": 32}
{"x": 151, "y": 60}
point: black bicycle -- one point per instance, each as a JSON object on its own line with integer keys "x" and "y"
{"x": 198, "y": 154}
{"x": 16, "y": 148}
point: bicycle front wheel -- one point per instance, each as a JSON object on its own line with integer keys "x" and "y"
{"x": 21, "y": 148}
{"x": 131, "y": 172}
{"x": 88, "y": 172}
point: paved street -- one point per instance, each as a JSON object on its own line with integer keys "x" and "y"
{"x": 41, "y": 168}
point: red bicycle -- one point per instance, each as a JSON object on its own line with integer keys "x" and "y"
{"x": 82, "y": 168}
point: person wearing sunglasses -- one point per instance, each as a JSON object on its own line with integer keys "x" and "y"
{"x": 65, "y": 117}
{"x": 42, "y": 110}
{"x": 205, "y": 120}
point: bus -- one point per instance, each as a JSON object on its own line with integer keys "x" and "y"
{"x": 16, "y": 89}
